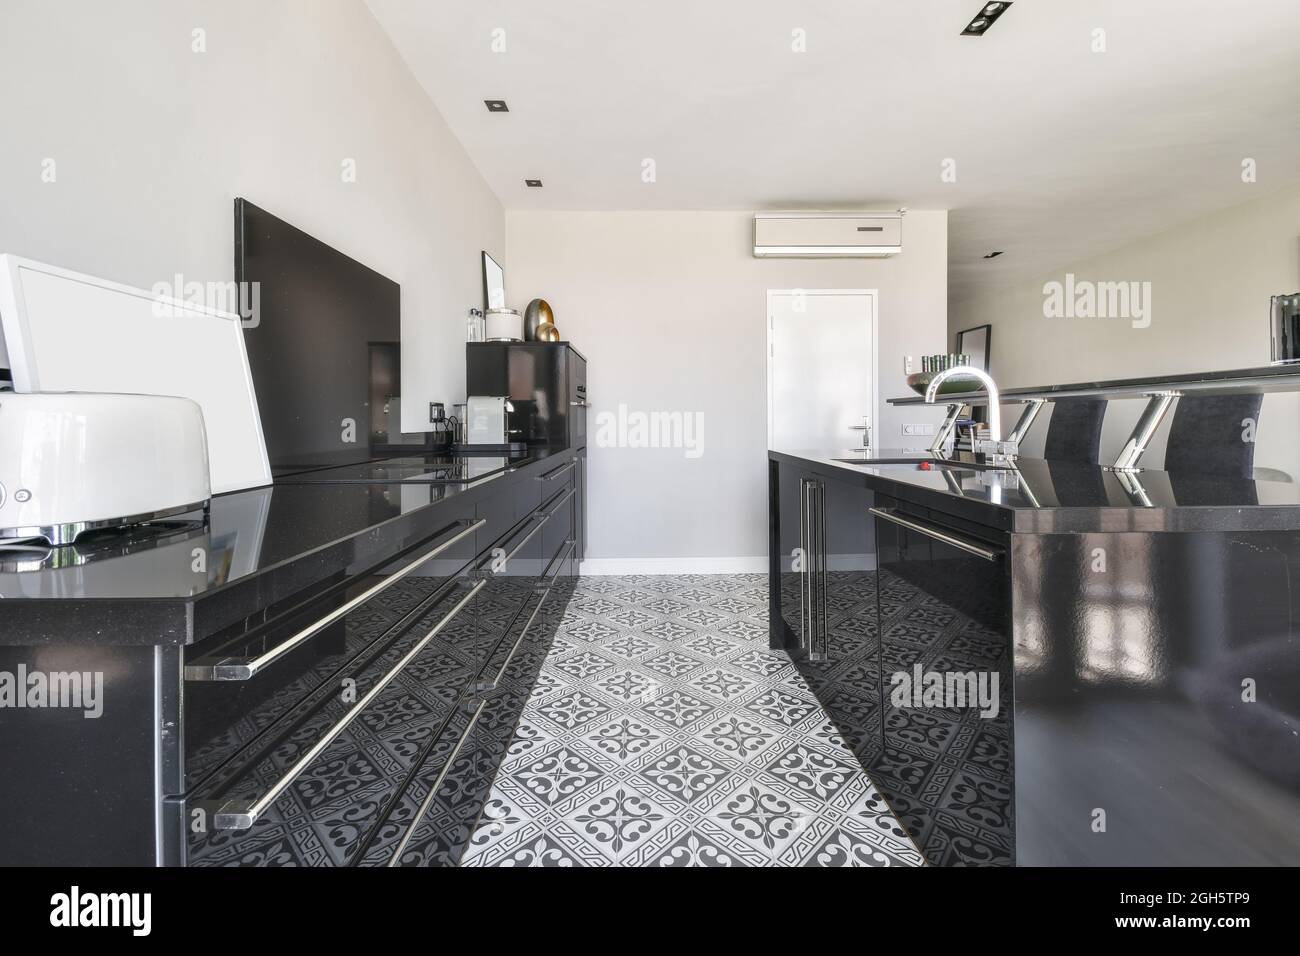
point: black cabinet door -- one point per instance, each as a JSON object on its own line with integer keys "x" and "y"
{"x": 945, "y": 763}
{"x": 375, "y": 731}
{"x": 787, "y": 561}
{"x": 846, "y": 678}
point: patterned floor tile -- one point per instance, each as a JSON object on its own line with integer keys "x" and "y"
{"x": 662, "y": 731}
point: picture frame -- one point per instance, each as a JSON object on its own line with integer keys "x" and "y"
{"x": 976, "y": 342}
{"x": 494, "y": 284}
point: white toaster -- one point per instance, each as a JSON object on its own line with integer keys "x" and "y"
{"x": 77, "y": 462}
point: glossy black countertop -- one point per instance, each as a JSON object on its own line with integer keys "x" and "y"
{"x": 1261, "y": 379}
{"x": 178, "y": 581}
{"x": 1057, "y": 497}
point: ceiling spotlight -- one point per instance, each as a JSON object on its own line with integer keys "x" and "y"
{"x": 496, "y": 106}
{"x": 534, "y": 183}
{"x": 987, "y": 16}
{"x": 993, "y": 255}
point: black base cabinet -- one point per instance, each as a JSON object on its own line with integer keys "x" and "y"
{"x": 867, "y": 606}
{"x": 945, "y": 764}
{"x": 359, "y": 722}
{"x": 1081, "y": 699}
{"x": 407, "y": 776}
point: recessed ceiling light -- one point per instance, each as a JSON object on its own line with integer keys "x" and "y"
{"x": 534, "y": 183}
{"x": 987, "y": 16}
{"x": 496, "y": 106}
{"x": 993, "y": 255}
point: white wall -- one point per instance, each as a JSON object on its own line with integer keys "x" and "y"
{"x": 1210, "y": 284}
{"x": 670, "y": 310}
{"x": 152, "y": 142}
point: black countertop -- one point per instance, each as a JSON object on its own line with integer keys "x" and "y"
{"x": 260, "y": 546}
{"x": 1262, "y": 379}
{"x": 1056, "y": 497}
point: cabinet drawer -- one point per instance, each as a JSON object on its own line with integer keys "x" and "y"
{"x": 309, "y": 792}
{"x": 560, "y": 528}
{"x": 238, "y": 687}
{"x": 432, "y": 819}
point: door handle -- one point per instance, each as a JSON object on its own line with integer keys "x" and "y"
{"x": 938, "y": 534}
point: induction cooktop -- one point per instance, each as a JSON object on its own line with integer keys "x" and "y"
{"x": 414, "y": 469}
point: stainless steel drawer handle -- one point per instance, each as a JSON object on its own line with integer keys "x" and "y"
{"x": 395, "y": 859}
{"x": 552, "y": 475}
{"x": 245, "y": 668}
{"x": 938, "y": 534}
{"x": 540, "y": 520}
{"x": 242, "y": 814}
{"x": 556, "y": 563}
{"x": 559, "y": 504}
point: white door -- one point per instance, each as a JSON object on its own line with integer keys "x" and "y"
{"x": 821, "y": 367}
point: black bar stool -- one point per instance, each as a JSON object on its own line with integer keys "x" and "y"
{"x": 1208, "y": 435}
{"x": 1074, "y": 430}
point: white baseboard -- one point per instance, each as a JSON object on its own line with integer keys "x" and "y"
{"x": 598, "y": 566}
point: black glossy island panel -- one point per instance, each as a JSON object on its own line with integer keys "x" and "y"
{"x": 1065, "y": 667}
{"x": 323, "y": 672}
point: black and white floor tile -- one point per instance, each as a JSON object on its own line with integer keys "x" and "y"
{"x": 663, "y": 732}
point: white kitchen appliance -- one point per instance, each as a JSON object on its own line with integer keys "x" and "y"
{"x": 70, "y": 332}
{"x": 486, "y": 422}
{"x": 77, "y": 462}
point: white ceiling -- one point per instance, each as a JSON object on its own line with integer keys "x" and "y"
{"x": 1060, "y": 152}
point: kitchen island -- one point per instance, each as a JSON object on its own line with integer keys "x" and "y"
{"x": 325, "y": 671}
{"x": 1057, "y": 664}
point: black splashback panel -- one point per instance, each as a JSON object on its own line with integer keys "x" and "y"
{"x": 319, "y": 314}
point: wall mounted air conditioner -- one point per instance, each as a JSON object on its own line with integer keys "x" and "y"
{"x": 828, "y": 234}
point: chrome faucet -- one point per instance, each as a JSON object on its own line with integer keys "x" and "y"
{"x": 998, "y": 452}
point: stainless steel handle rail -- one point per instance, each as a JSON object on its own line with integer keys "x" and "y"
{"x": 560, "y": 503}
{"x": 552, "y": 475}
{"x": 395, "y": 859}
{"x": 541, "y": 520}
{"x": 812, "y": 531}
{"x": 938, "y": 534}
{"x": 242, "y": 814}
{"x": 581, "y": 404}
{"x": 496, "y": 681}
{"x": 231, "y": 669}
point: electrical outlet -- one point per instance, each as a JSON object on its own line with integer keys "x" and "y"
{"x": 917, "y": 431}
{"x": 907, "y": 365}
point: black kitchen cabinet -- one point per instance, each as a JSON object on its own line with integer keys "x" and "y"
{"x": 943, "y": 598}
{"x": 546, "y": 383}
{"x": 863, "y": 591}
{"x": 355, "y": 672}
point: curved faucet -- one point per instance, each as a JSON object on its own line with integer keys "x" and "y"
{"x": 995, "y": 411}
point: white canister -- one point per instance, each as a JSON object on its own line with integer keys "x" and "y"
{"x": 505, "y": 325}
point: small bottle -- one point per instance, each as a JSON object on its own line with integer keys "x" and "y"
{"x": 476, "y": 327}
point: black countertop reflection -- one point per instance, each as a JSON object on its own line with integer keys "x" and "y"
{"x": 181, "y": 580}
{"x": 1047, "y": 497}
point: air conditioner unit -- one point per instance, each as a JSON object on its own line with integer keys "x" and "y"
{"x": 828, "y": 234}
